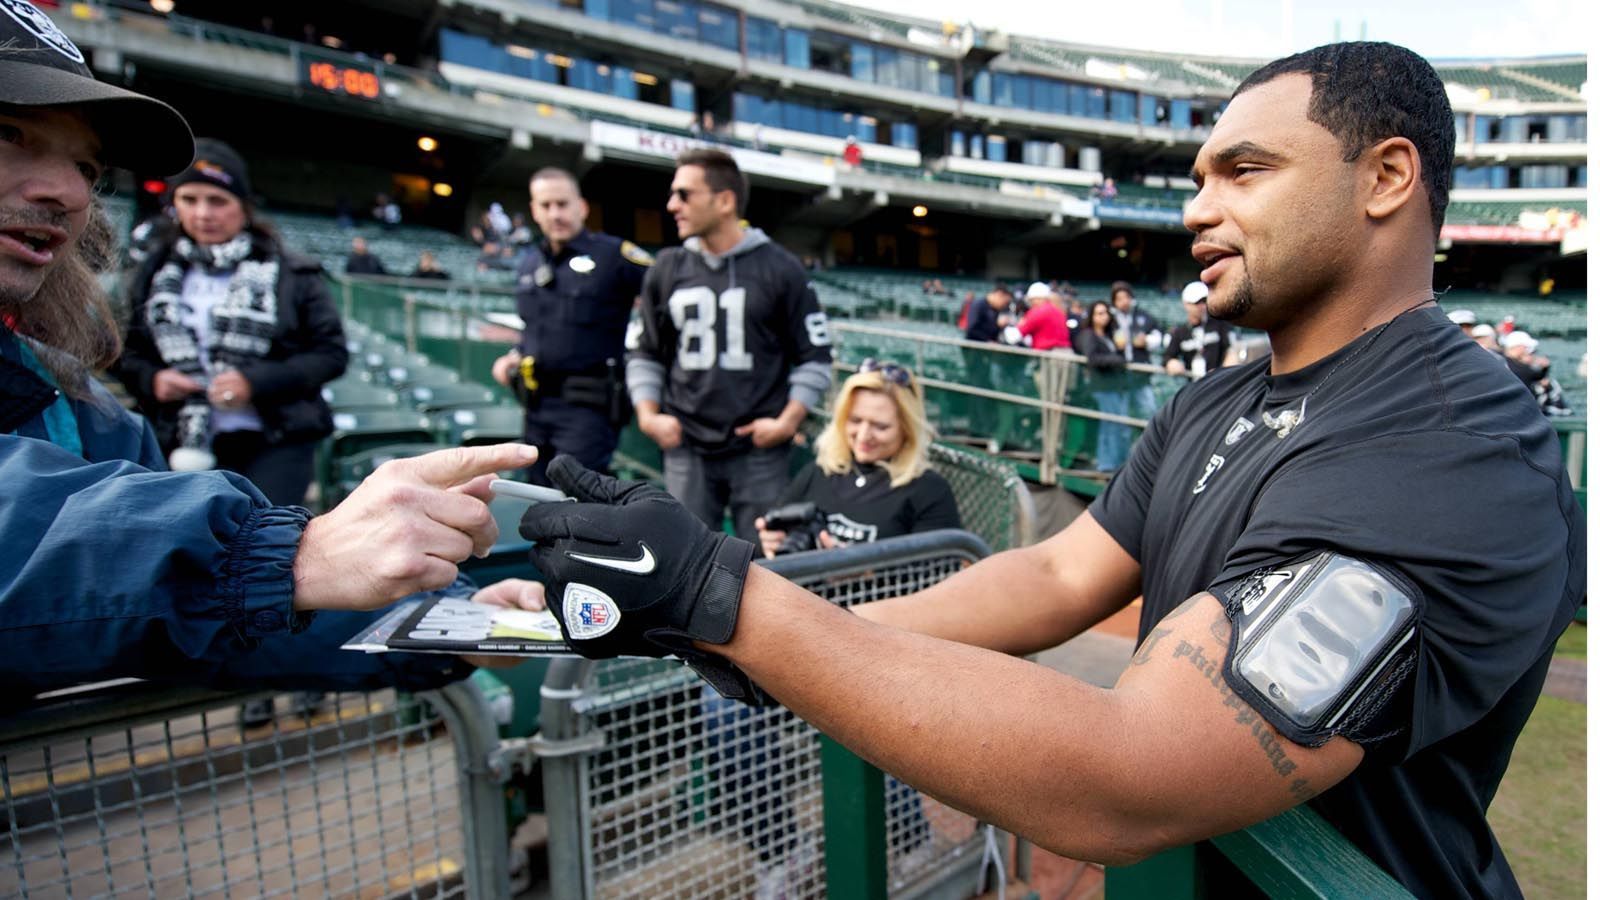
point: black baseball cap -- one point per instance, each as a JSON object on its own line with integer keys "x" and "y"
{"x": 40, "y": 66}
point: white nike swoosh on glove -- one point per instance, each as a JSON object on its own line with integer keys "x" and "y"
{"x": 644, "y": 565}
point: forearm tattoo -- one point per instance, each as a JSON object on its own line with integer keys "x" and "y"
{"x": 1210, "y": 667}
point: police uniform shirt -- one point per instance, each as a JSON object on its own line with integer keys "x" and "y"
{"x": 1414, "y": 449}
{"x": 575, "y": 304}
{"x": 872, "y": 509}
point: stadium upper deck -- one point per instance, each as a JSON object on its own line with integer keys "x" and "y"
{"x": 955, "y": 119}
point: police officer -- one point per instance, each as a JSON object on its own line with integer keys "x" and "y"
{"x": 575, "y": 291}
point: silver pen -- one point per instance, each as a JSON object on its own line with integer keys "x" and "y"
{"x": 530, "y": 493}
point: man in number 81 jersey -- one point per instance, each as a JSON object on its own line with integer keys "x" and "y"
{"x": 731, "y": 348}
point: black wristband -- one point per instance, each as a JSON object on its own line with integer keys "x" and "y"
{"x": 713, "y": 618}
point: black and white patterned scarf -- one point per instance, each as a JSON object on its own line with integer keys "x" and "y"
{"x": 242, "y": 325}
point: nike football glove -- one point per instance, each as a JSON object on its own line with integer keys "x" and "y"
{"x": 633, "y": 573}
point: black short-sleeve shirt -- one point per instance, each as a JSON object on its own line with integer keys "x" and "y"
{"x": 1417, "y": 450}
{"x": 874, "y": 509}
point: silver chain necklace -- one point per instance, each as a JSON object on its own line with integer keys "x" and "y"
{"x": 1286, "y": 420}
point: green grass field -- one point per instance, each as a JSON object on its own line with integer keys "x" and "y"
{"x": 1574, "y": 642}
{"x": 1540, "y": 814}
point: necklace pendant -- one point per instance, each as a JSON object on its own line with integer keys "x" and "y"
{"x": 861, "y": 481}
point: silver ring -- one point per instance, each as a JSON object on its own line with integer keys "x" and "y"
{"x": 227, "y": 396}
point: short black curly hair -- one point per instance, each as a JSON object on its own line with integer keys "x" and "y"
{"x": 1368, "y": 91}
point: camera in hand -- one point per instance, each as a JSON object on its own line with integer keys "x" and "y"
{"x": 802, "y": 523}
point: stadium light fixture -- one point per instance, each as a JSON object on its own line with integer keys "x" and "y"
{"x": 556, "y": 59}
{"x": 520, "y": 51}
{"x": 427, "y": 144}
{"x": 919, "y": 211}
{"x": 645, "y": 78}
{"x": 442, "y": 190}
{"x": 163, "y": 6}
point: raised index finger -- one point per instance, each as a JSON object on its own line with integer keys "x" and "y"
{"x": 448, "y": 468}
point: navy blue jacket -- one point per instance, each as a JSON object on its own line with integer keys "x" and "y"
{"x": 575, "y": 304}
{"x": 114, "y": 568}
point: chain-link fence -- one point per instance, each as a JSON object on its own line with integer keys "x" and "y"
{"x": 993, "y": 500}
{"x": 657, "y": 787}
{"x": 139, "y": 791}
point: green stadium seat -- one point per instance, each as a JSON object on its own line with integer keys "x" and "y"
{"x": 472, "y": 425}
{"x": 350, "y": 471}
{"x": 432, "y": 397}
{"x": 349, "y": 394}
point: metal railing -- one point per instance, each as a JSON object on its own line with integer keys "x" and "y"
{"x": 137, "y": 789}
{"x": 992, "y": 498}
{"x": 655, "y": 786}
{"x": 1054, "y": 374}
{"x": 438, "y": 319}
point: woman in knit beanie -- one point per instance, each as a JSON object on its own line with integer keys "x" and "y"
{"x": 231, "y": 337}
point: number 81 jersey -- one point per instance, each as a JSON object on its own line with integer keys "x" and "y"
{"x": 725, "y": 340}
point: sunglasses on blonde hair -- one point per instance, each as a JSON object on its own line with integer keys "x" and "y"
{"x": 891, "y": 372}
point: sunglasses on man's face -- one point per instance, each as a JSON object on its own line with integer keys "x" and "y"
{"x": 683, "y": 194}
{"x": 891, "y": 372}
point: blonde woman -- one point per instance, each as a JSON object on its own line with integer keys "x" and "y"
{"x": 872, "y": 480}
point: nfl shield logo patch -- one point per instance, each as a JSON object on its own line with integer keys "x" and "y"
{"x": 588, "y": 612}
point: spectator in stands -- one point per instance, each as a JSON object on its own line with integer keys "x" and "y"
{"x": 499, "y": 222}
{"x": 231, "y": 337}
{"x": 428, "y": 267}
{"x": 723, "y": 392}
{"x": 1534, "y": 372}
{"x": 575, "y": 292}
{"x": 1044, "y": 326}
{"x": 495, "y": 258}
{"x": 1203, "y": 342}
{"x": 361, "y": 261}
{"x": 1486, "y": 337}
{"x": 986, "y": 323}
{"x": 1106, "y": 377}
{"x": 113, "y": 567}
{"x": 1136, "y": 333}
{"x": 1327, "y": 616}
{"x": 385, "y": 211}
{"x": 1465, "y": 318}
{"x": 1508, "y": 324}
{"x": 521, "y": 235}
{"x": 871, "y": 479}
{"x": 852, "y": 152}
{"x": 1107, "y": 189}
{"x": 1076, "y": 314}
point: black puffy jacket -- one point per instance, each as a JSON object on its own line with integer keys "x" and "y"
{"x": 308, "y": 351}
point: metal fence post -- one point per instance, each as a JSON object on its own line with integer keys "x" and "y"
{"x": 487, "y": 843}
{"x": 563, "y": 755}
{"x": 853, "y": 821}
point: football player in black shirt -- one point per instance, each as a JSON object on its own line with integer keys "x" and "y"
{"x": 1328, "y": 619}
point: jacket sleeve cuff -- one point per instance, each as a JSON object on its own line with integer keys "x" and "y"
{"x": 257, "y": 582}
